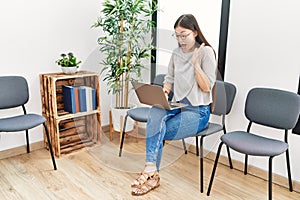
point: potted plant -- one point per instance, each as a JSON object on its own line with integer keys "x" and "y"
{"x": 68, "y": 63}
{"x": 126, "y": 43}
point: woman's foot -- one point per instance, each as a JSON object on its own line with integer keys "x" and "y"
{"x": 145, "y": 183}
{"x": 149, "y": 170}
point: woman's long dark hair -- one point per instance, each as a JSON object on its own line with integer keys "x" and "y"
{"x": 188, "y": 21}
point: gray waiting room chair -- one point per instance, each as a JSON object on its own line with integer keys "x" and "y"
{"x": 140, "y": 114}
{"x": 14, "y": 93}
{"x": 271, "y": 108}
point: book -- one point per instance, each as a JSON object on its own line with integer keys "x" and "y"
{"x": 91, "y": 99}
{"x": 69, "y": 98}
{"x": 89, "y": 103}
{"x": 88, "y": 99}
{"x": 94, "y": 102}
{"x": 82, "y": 99}
{"x": 76, "y": 99}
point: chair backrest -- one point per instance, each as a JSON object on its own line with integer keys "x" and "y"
{"x": 273, "y": 107}
{"x": 13, "y": 91}
{"x": 159, "y": 79}
{"x": 225, "y": 94}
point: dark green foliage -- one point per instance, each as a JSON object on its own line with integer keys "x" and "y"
{"x": 68, "y": 60}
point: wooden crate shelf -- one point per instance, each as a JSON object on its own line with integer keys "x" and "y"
{"x": 69, "y": 131}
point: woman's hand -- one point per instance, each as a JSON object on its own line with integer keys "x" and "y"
{"x": 166, "y": 93}
{"x": 201, "y": 77}
{"x": 167, "y": 88}
{"x": 196, "y": 54}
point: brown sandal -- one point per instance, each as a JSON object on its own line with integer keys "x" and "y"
{"x": 146, "y": 182}
{"x": 141, "y": 179}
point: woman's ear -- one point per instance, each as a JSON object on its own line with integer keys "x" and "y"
{"x": 195, "y": 33}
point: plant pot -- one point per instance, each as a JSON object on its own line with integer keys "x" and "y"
{"x": 69, "y": 70}
{"x": 117, "y": 114}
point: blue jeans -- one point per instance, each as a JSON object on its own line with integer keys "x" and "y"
{"x": 172, "y": 125}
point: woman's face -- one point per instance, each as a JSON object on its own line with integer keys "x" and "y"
{"x": 185, "y": 38}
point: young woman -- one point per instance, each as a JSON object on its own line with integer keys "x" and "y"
{"x": 191, "y": 76}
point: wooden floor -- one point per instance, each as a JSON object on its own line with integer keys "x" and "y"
{"x": 98, "y": 173}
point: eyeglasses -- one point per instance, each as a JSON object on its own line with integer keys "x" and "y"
{"x": 182, "y": 37}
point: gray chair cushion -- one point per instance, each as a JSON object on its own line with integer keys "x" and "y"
{"x": 139, "y": 114}
{"x": 255, "y": 145}
{"x": 210, "y": 129}
{"x": 21, "y": 122}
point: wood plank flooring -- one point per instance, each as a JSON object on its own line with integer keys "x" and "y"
{"x": 99, "y": 173}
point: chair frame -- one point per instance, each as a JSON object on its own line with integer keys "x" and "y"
{"x": 270, "y": 170}
{"x": 202, "y": 156}
{"x": 246, "y": 157}
{"x": 225, "y": 111}
{"x": 48, "y": 140}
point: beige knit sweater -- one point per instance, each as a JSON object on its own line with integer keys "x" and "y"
{"x": 181, "y": 75}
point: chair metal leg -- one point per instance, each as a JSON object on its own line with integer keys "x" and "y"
{"x": 197, "y": 146}
{"x": 229, "y": 157}
{"x": 50, "y": 146}
{"x": 246, "y": 165}
{"x": 123, "y": 135}
{"x": 201, "y": 164}
{"x": 184, "y": 146}
{"x": 228, "y": 150}
{"x": 214, "y": 169}
{"x": 270, "y": 178}
{"x": 27, "y": 141}
{"x": 289, "y": 170}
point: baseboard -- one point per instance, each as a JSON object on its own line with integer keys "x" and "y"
{"x": 33, "y": 146}
{"x": 21, "y": 150}
{"x": 105, "y": 128}
{"x": 254, "y": 171}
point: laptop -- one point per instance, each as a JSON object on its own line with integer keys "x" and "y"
{"x": 154, "y": 95}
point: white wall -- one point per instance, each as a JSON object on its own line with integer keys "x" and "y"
{"x": 33, "y": 35}
{"x": 263, "y": 50}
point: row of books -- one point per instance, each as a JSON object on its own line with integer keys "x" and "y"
{"x": 79, "y": 99}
